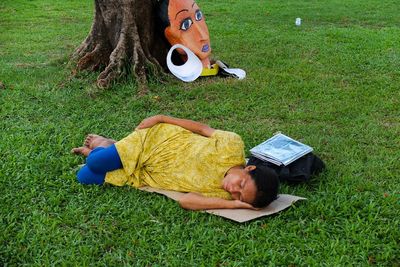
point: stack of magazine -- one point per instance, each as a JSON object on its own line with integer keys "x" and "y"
{"x": 280, "y": 150}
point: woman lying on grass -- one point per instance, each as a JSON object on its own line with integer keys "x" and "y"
{"x": 180, "y": 155}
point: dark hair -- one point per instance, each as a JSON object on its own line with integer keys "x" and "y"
{"x": 163, "y": 22}
{"x": 267, "y": 184}
{"x": 162, "y": 13}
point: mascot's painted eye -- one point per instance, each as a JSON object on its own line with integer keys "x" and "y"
{"x": 186, "y": 23}
{"x": 198, "y": 15}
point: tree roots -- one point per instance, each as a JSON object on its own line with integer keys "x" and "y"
{"x": 116, "y": 47}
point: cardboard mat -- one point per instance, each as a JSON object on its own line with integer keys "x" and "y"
{"x": 239, "y": 215}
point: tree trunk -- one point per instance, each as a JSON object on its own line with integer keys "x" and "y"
{"x": 124, "y": 36}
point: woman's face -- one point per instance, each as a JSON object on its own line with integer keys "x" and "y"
{"x": 240, "y": 185}
{"x": 188, "y": 27}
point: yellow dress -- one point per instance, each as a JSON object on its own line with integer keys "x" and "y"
{"x": 170, "y": 157}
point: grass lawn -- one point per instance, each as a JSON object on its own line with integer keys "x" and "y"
{"x": 333, "y": 83}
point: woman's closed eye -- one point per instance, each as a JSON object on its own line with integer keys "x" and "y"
{"x": 241, "y": 188}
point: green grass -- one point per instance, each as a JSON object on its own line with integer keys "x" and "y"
{"x": 332, "y": 83}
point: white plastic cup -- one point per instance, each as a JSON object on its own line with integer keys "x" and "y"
{"x": 298, "y": 21}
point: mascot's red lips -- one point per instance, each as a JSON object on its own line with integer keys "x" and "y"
{"x": 205, "y": 48}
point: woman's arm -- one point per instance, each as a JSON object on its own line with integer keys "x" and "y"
{"x": 193, "y": 126}
{"x": 195, "y": 201}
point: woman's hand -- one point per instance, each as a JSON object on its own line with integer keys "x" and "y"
{"x": 193, "y": 126}
{"x": 150, "y": 122}
{"x": 196, "y": 201}
{"x": 243, "y": 205}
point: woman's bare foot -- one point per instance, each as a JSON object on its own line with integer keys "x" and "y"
{"x": 83, "y": 150}
{"x": 93, "y": 140}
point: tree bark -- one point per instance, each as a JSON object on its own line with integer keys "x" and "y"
{"x": 124, "y": 39}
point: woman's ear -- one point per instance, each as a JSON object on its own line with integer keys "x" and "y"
{"x": 171, "y": 36}
{"x": 250, "y": 168}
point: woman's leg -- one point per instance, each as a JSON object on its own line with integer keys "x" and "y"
{"x": 100, "y": 161}
{"x": 86, "y": 176}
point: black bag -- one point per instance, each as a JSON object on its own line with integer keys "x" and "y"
{"x": 298, "y": 171}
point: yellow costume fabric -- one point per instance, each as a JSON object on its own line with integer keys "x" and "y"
{"x": 170, "y": 157}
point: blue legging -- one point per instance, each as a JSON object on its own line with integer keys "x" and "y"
{"x": 100, "y": 161}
